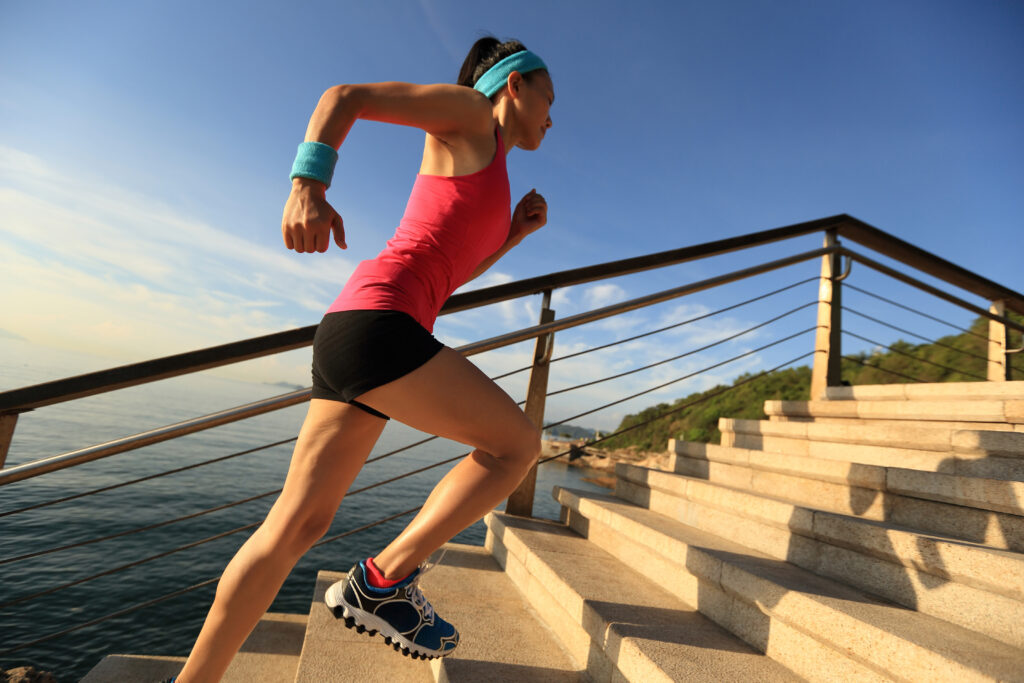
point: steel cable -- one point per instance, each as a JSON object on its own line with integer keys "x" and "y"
{"x": 914, "y": 334}
{"x": 879, "y": 367}
{"x": 680, "y": 379}
{"x": 663, "y": 329}
{"x": 381, "y": 483}
{"x": 50, "y": 551}
{"x": 682, "y": 355}
{"x": 142, "y": 479}
{"x": 920, "y": 360}
{"x": 674, "y": 410}
{"x": 913, "y": 310}
{"x": 149, "y": 603}
{"x": 412, "y": 445}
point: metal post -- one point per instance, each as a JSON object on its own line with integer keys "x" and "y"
{"x": 998, "y": 343}
{"x": 827, "y": 370}
{"x": 7, "y": 424}
{"x": 521, "y": 501}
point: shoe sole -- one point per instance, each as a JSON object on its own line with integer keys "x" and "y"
{"x": 364, "y": 622}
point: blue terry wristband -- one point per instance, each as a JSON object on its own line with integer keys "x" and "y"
{"x": 315, "y": 160}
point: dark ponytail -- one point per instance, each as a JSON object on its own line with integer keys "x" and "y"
{"x": 484, "y": 54}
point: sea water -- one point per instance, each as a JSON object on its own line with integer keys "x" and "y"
{"x": 169, "y": 627}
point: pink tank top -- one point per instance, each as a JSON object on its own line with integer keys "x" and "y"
{"x": 451, "y": 224}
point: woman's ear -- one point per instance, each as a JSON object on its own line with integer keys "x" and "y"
{"x": 514, "y": 84}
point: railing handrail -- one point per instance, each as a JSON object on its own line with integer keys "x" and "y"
{"x": 57, "y": 391}
{"x": 72, "y": 458}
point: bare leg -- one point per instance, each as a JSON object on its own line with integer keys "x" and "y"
{"x": 450, "y": 397}
{"x": 333, "y": 444}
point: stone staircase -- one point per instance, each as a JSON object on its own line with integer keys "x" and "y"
{"x": 874, "y": 535}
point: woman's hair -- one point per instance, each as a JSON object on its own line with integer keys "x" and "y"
{"x": 484, "y": 54}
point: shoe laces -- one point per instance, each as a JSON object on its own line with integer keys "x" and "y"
{"x": 416, "y": 595}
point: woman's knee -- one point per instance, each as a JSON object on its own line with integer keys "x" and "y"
{"x": 522, "y": 447}
{"x": 299, "y": 529}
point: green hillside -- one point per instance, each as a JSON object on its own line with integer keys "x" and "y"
{"x": 946, "y": 360}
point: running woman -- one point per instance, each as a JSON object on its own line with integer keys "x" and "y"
{"x": 374, "y": 355}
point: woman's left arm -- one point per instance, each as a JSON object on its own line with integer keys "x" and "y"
{"x": 530, "y": 215}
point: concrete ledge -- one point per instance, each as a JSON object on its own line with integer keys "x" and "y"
{"x": 973, "y": 586}
{"x": 615, "y": 620}
{"x": 992, "y": 569}
{"x": 332, "y": 653}
{"x": 956, "y": 411}
{"x": 890, "y": 640}
{"x": 980, "y": 443}
{"x": 929, "y": 391}
{"x": 501, "y": 638}
{"x": 270, "y": 653}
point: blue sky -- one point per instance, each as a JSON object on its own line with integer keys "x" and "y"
{"x": 145, "y": 149}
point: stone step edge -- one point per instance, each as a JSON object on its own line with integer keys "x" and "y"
{"x": 454, "y": 668}
{"x": 799, "y": 518}
{"x": 631, "y": 656}
{"x": 121, "y": 667}
{"x": 955, "y": 488}
{"x": 924, "y": 437}
{"x": 1010, "y": 411}
{"x": 839, "y": 550}
{"x": 965, "y": 391}
{"x": 865, "y": 641}
{"x": 977, "y": 442}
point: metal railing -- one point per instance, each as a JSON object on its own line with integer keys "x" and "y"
{"x": 826, "y": 351}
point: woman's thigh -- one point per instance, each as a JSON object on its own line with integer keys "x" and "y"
{"x": 332, "y": 447}
{"x": 450, "y": 397}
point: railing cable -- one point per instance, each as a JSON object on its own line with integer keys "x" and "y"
{"x": 921, "y": 360}
{"x": 199, "y": 514}
{"x": 146, "y": 478}
{"x": 417, "y": 443}
{"x": 680, "y": 379}
{"x": 913, "y": 310}
{"x": 914, "y": 334}
{"x": 854, "y": 359}
{"x": 149, "y": 603}
{"x": 381, "y": 483}
{"x": 683, "y": 355}
{"x": 672, "y": 411}
{"x": 664, "y": 329}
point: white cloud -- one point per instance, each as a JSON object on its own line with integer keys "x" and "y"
{"x": 605, "y": 294}
{"x": 89, "y": 266}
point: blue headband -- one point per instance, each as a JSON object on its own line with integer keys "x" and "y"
{"x": 495, "y": 78}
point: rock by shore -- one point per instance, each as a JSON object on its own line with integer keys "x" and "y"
{"x": 603, "y": 460}
{"x": 26, "y": 674}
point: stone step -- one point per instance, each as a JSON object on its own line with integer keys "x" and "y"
{"x": 926, "y": 437}
{"x": 819, "y": 628}
{"x": 875, "y": 422}
{"x": 942, "y": 391}
{"x": 987, "y": 410}
{"x": 962, "y": 464}
{"x": 270, "y": 653}
{"x": 500, "y": 638}
{"x": 617, "y": 624}
{"x": 967, "y": 584}
{"x": 851, "y": 488}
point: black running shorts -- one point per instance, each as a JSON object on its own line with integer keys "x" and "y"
{"x": 355, "y": 351}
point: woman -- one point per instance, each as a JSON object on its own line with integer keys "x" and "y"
{"x": 374, "y": 356}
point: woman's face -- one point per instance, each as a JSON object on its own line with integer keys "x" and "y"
{"x": 538, "y": 96}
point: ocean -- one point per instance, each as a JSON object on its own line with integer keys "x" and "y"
{"x": 169, "y": 627}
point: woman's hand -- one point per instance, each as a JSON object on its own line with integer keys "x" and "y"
{"x": 308, "y": 219}
{"x": 531, "y": 214}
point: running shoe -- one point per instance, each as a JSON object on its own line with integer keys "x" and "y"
{"x": 401, "y": 614}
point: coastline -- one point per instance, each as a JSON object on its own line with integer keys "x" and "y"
{"x": 603, "y": 461}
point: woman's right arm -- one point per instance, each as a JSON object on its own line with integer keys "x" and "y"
{"x": 442, "y": 110}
